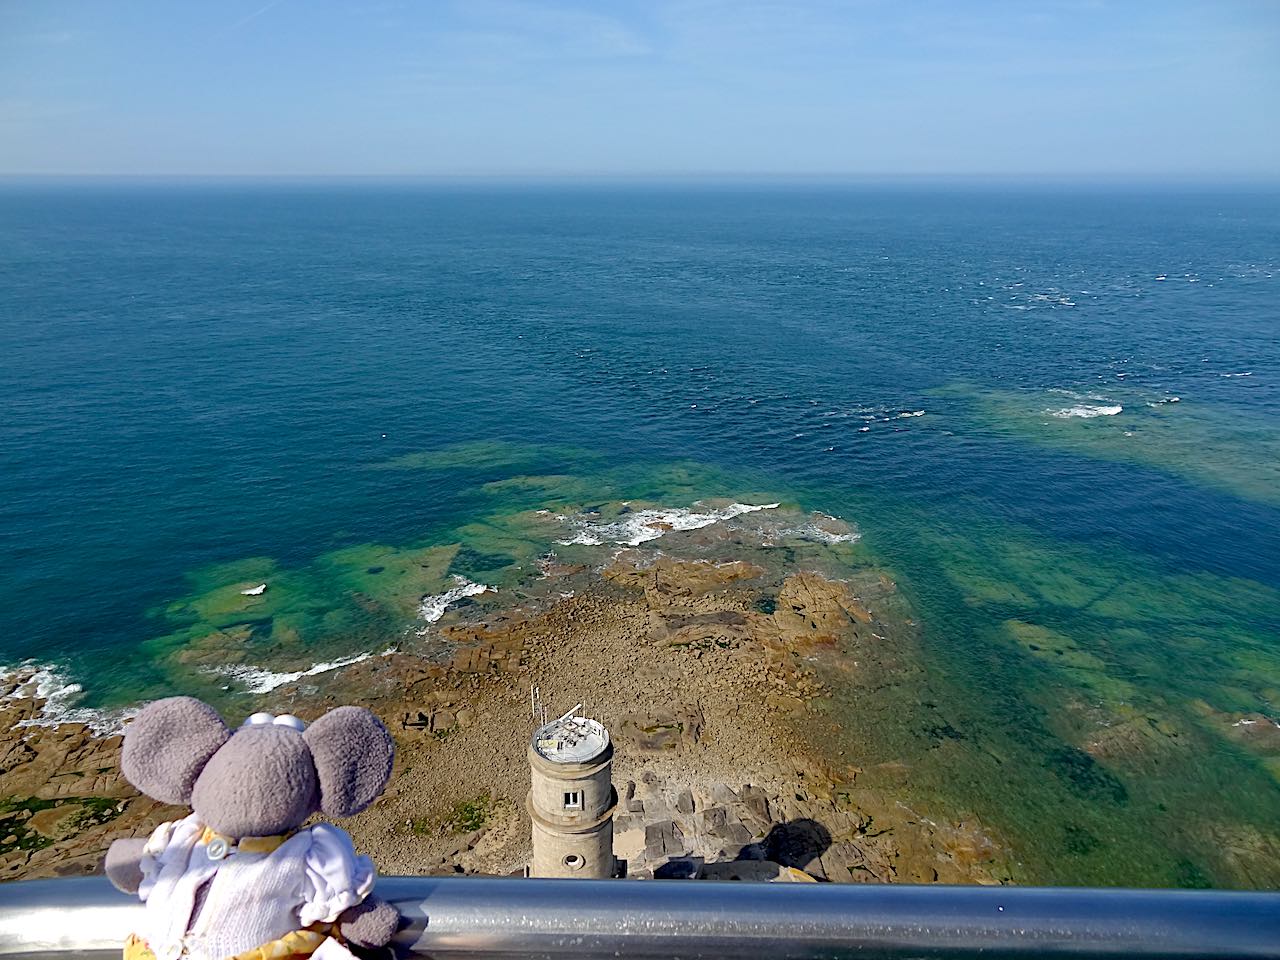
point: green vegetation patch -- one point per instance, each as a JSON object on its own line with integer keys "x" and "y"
{"x": 470, "y": 815}
{"x": 25, "y": 822}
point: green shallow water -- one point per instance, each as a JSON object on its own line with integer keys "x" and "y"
{"x": 1080, "y": 703}
{"x": 365, "y": 597}
{"x": 1218, "y": 445}
{"x": 1083, "y": 705}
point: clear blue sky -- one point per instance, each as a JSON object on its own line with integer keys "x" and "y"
{"x": 501, "y": 87}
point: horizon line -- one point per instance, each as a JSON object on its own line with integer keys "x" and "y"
{"x": 1154, "y": 178}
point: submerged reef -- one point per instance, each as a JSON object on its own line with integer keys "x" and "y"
{"x": 1222, "y": 447}
{"x": 949, "y": 697}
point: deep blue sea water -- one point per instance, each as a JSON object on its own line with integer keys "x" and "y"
{"x": 196, "y": 374}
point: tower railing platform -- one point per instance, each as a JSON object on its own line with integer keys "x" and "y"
{"x": 465, "y": 917}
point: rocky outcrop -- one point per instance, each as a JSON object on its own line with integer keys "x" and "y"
{"x": 62, "y": 798}
{"x": 707, "y": 667}
{"x": 670, "y": 828}
{"x": 667, "y": 581}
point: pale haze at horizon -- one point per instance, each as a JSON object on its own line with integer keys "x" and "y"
{"x": 502, "y": 88}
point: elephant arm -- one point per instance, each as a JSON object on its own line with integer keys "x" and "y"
{"x": 124, "y": 863}
{"x": 369, "y": 924}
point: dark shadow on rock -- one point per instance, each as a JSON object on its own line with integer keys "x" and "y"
{"x": 796, "y": 843}
{"x": 680, "y": 868}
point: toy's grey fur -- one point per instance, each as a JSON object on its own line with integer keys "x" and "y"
{"x": 263, "y": 780}
{"x": 122, "y": 866}
{"x": 168, "y": 745}
{"x": 353, "y": 754}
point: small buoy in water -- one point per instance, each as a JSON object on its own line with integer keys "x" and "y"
{"x": 384, "y": 436}
{"x": 257, "y": 591}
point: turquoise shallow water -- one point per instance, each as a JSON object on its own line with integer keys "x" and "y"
{"x": 197, "y": 375}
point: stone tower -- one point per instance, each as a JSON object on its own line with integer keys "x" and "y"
{"x": 571, "y": 798}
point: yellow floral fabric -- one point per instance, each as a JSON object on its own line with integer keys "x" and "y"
{"x": 249, "y": 844}
{"x": 135, "y": 948}
{"x": 292, "y": 946}
{"x": 299, "y": 943}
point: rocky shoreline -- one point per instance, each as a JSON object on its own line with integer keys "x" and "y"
{"x": 709, "y": 660}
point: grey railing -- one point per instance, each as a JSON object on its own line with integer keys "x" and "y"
{"x": 505, "y": 918}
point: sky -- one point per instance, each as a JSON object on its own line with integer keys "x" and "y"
{"x": 1021, "y": 88}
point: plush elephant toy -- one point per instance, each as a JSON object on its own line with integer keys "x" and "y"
{"x": 239, "y": 878}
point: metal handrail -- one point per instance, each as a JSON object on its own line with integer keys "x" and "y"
{"x": 464, "y": 917}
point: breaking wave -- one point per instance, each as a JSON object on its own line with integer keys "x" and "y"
{"x": 61, "y": 695}
{"x": 816, "y": 528}
{"x": 636, "y": 528}
{"x": 816, "y": 532}
{"x": 432, "y": 608}
{"x": 1087, "y": 411}
{"x": 260, "y": 680}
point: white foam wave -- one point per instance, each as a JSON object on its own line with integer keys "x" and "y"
{"x": 432, "y": 607}
{"x": 633, "y": 529}
{"x": 1087, "y": 411}
{"x": 61, "y": 695}
{"x": 1246, "y": 374}
{"x": 816, "y": 532}
{"x": 261, "y": 680}
{"x": 815, "y": 528}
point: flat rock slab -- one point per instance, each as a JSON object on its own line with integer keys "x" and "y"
{"x": 662, "y": 729}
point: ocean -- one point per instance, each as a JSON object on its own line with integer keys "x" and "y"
{"x": 1052, "y": 413}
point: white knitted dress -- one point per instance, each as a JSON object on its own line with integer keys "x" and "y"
{"x": 253, "y": 898}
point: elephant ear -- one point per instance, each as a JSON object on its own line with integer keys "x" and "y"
{"x": 167, "y": 745}
{"x": 353, "y": 754}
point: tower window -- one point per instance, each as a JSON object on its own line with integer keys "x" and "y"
{"x": 572, "y": 800}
